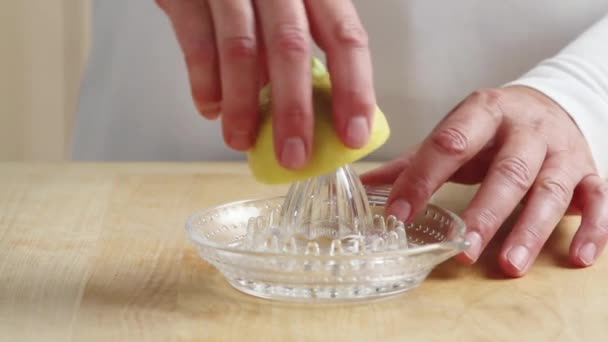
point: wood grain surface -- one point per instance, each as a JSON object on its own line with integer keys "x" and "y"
{"x": 98, "y": 252}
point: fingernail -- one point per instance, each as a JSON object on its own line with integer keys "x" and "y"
{"x": 357, "y": 131}
{"x": 587, "y": 253}
{"x": 518, "y": 257}
{"x": 240, "y": 140}
{"x": 210, "y": 110}
{"x": 475, "y": 248}
{"x": 293, "y": 154}
{"x": 401, "y": 209}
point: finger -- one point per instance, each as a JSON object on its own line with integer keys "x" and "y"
{"x": 455, "y": 141}
{"x": 288, "y": 49}
{"x": 235, "y": 33}
{"x": 263, "y": 77}
{"x": 590, "y": 239}
{"x": 549, "y": 198}
{"x": 388, "y": 172}
{"x": 470, "y": 173}
{"x": 339, "y": 32}
{"x": 509, "y": 178}
{"x": 193, "y": 26}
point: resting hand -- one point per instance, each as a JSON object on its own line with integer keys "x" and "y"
{"x": 521, "y": 146}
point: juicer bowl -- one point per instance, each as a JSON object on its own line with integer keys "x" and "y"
{"x": 241, "y": 241}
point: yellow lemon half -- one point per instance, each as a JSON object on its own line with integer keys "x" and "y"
{"x": 328, "y": 151}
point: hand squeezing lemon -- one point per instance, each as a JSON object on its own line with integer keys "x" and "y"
{"x": 328, "y": 154}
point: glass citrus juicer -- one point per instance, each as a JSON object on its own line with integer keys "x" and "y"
{"x": 328, "y": 238}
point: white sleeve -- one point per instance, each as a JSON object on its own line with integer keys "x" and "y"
{"x": 577, "y": 79}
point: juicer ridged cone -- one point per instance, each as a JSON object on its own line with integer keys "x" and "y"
{"x": 333, "y": 205}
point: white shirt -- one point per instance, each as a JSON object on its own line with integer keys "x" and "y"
{"x": 428, "y": 55}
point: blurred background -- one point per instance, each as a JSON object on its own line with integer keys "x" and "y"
{"x": 44, "y": 46}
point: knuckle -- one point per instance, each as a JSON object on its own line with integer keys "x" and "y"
{"x": 600, "y": 190}
{"x": 239, "y": 120}
{"x": 350, "y": 33}
{"x": 239, "y": 48}
{"x": 451, "y": 141}
{"x": 294, "y": 118}
{"x": 362, "y": 102}
{"x": 297, "y": 114}
{"x": 602, "y": 227}
{"x": 536, "y": 123}
{"x": 291, "y": 41}
{"x": 491, "y": 99}
{"x": 533, "y": 232}
{"x": 557, "y": 188}
{"x": 516, "y": 171}
{"x": 489, "y": 96}
{"x": 485, "y": 221}
{"x": 202, "y": 51}
{"x": 205, "y": 98}
{"x": 421, "y": 187}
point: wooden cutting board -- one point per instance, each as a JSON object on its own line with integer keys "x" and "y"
{"x": 98, "y": 252}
